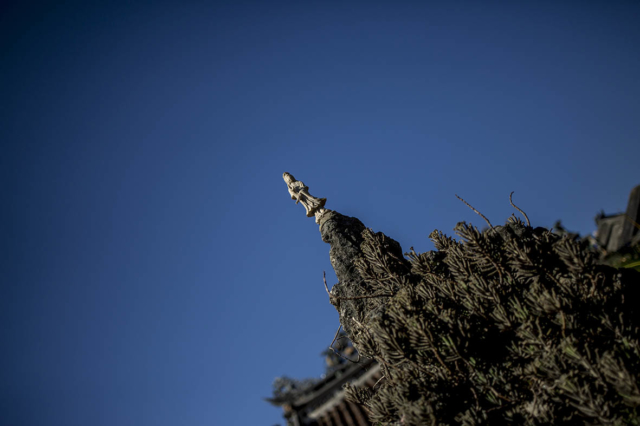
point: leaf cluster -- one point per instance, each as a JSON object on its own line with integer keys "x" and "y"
{"x": 513, "y": 325}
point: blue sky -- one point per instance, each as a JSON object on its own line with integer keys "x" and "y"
{"x": 155, "y": 270}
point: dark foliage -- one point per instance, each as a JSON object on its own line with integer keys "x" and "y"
{"x": 513, "y": 325}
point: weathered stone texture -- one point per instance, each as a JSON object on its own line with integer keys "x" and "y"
{"x": 344, "y": 233}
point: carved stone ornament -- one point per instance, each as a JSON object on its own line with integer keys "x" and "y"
{"x": 300, "y": 192}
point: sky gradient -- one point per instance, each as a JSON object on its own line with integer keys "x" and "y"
{"x": 155, "y": 270}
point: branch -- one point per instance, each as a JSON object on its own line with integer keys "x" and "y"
{"x": 471, "y": 207}
{"x": 517, "y": 208}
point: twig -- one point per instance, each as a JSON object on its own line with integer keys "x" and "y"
{"x": 332, "y": 297}
{"x": 475, "y": 395}
{"x": 437, "y": 353}
{"x": 379, "y": 380}
{"x": 335, "y": 337}
{"x": 324, "y": 277}
{"x": 336, "y": 352}
{"x": 477, "y": 212}
{"x": 373, "y": 296}
{"x": 518, "y": 208}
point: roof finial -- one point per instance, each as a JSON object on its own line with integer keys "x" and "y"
{"x": 300, "y": 192}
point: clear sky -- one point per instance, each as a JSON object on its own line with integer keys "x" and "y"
{"x": 155, "y": 271}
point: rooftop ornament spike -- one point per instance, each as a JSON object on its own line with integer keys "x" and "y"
{"x": 300, "y": 192}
